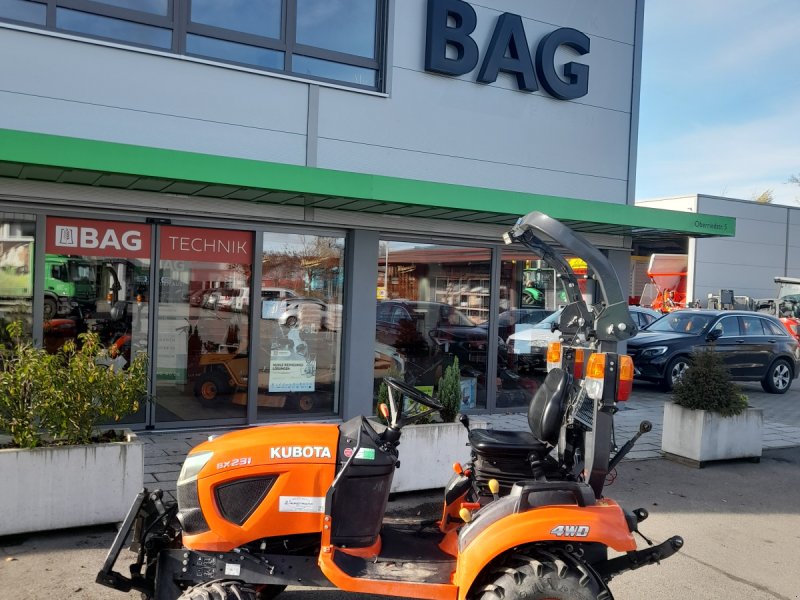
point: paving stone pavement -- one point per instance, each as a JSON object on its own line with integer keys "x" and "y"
{"x": 165, "y": 451}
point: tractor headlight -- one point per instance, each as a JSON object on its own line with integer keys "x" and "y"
{"x": 193, "y": 464}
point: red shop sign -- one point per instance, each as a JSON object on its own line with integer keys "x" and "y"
{"x": 206, "y": 245}
{"x": 97, "y": 238}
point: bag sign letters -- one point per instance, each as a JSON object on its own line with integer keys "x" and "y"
{"x": 450, "y": 25}
{"x": 97, "y": 238}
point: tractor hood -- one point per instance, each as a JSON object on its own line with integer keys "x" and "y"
{"x": 269, "y": 445}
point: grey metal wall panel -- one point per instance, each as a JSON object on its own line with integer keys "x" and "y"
{"x": 73, "y": 88}
{"x": 344, "y": 155}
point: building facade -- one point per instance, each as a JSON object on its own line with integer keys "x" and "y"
{"x": 283, "y": 201}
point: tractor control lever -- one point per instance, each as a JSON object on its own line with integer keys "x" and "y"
{"x": 644, "y": 427}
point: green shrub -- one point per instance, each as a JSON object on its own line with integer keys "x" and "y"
{"x": 707, "y": 385}
{"x": 449, "y": 395}
{"x": 62, "y": 398}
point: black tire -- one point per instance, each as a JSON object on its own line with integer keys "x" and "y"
{"x": 291, "y": 321}
{"x": 543, "y": 578}
{"x": 50, "y": 308}
{"x": 209, "y": 387}
{"x": 779, "y": 377}
{"x": 220, "y": 590}
{"x": 674, "y": 371}
{"x": 268, "y": 592}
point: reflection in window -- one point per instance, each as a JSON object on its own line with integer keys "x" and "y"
{"x": 234, "y": 52}
{"x": 327, "y": 69}
{"x": 433, "y": 306}
{"x": 259, "y": 17}
{"x": 16, "y": 272}
{"x": 114, "y": 29}
{"x": 22, "y": 10}
{"x": 156, "y": 7}
{"x": 346, "y": 26}
{"x": 300, "y": 308}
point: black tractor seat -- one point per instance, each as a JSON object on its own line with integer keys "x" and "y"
{"x": 511, "y": 456}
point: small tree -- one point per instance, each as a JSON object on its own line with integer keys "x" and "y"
{"x": 707, "y": 385}
{"x": 449, "y": 395}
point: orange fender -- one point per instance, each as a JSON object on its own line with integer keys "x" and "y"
{"x": 602, "y": 523}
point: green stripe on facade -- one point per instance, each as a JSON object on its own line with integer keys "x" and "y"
{"x": 108, "y": 157}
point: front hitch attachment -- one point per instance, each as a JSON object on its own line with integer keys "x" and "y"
{"x": 644, "y": 427}
{"x": 639, "y": 558}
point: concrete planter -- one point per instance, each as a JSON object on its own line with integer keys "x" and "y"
{"x": 427, "y": 454}
{"x": 700, "y": 436}
{"x": 69, "y": 486}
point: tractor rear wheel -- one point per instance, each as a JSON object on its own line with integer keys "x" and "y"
{"x": 543, "y": 578}
{"x": 220, "y": 590}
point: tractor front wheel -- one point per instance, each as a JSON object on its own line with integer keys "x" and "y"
{"x": 220, "y": 590}
{"x": 209, "y": 387}
{"x": 543, "y": 578}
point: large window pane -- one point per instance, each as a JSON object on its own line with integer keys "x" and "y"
{"x": 234, "y": 52}
{"x": 22, "y": 10}
{"x": 315, "y": 67}
{"x": 433, "y": 306}
{"x": 156, "y": 7}
{"x": 300, "y": 310}
{"x": 96, "y": 278}
{"x": 16, "y": 271}
{"x": 341, "y": 25}
{"x": 259, "y": 17}
{"x": 202, "y": 347}
{"x": 114, "y": 29}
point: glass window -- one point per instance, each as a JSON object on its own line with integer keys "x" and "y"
{"x": 346, "y": 26}
{"x": 156, "y": 7}
{"x": 752, "y": 326}
{"x": 234, "y": 52}
{"x": 327, "y": 69}
{"x": 97, "y": 279}
{"x": 259, "y": 17}
{"x": 433, "y": 306}
{"x": 22, "y": 10}
{"x": 729, "y": 326}
{"x": 114, "y": 29}
{"x": 203, "y": 333}
{"x": 300, "y": 321}
{"x": 16, "y": 271}
{"x": 774, "y": 328}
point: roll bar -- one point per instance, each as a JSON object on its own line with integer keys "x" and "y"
{"x": 612, "y": 323}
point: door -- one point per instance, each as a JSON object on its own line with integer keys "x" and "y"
{"x": 732, "y": 346}
{"x": 201, "y": 347}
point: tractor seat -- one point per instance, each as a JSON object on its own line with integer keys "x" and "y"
{"x": 494, "y": 442}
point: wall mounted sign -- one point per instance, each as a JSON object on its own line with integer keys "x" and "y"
{"x": 206, "y": 245}
{"x": 508, "y": 51}
{"x": 97, "y": 238}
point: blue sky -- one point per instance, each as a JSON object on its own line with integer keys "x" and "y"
{"x": 720, "y": 99}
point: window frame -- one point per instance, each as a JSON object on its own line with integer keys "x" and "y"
{"x": 177, "y": 22}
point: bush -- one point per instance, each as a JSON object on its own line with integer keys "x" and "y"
{"x": 62, "y": 398}
{"x": 449, "y": 395}
{"x": 707, "y": 385}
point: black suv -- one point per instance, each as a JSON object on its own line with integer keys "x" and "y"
{"x": 754, "y": 346}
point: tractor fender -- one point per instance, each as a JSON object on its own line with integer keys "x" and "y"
{"x": 481, "y": 542}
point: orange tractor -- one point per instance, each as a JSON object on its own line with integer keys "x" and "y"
{"x": 304, "y": 504}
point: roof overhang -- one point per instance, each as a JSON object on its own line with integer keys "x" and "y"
{"x": 43, "y": 157}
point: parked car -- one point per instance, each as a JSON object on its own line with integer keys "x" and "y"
{"x": 418, "y": 329}
{"x": 225, "y": 298}
{"x": 527, "y": 349}
{"x": 754, "y": 346}
{"x": 242, "y": 301}
{"x": 291, "y": 310}
{"x": 515, "y": 320}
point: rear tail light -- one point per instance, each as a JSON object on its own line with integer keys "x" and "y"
{"x": 580, "y": 363}
{"x": 625, "y": 383}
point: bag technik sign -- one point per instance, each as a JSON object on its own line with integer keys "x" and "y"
{"x": 508, "y": 51}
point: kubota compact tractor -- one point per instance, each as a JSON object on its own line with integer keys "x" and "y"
{"x": 304, "y": 504}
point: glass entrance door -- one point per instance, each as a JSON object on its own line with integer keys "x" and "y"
{"x": 202, "y": 345}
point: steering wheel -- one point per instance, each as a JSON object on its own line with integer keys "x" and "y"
{"x": 413, "y": 393}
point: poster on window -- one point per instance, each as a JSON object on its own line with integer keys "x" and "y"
{"x": 291, "y": 374}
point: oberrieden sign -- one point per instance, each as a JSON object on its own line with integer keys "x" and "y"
{"x": 97, "y": 238}
{"x": 206, "y": 245}
{"x": 508, "y": 51}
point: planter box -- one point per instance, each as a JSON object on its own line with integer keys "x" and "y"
{"x": 427, "y": 454}
{"x": 69, "y": 486}
{"x": 700, "y": 436}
